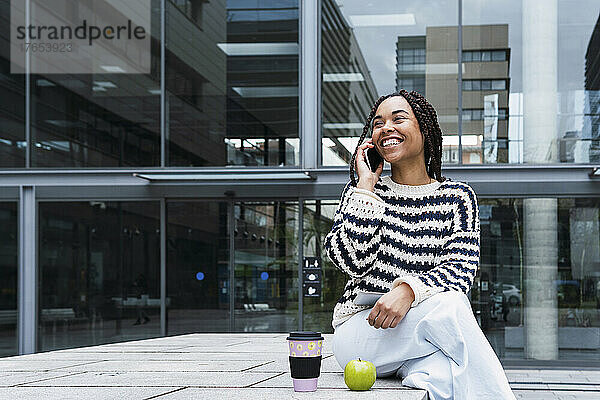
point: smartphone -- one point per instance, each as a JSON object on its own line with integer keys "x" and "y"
{"x": 367, "y": 298}
{"x": 373, "y": 158}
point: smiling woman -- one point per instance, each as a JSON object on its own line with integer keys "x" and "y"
{"x": 409, "y": 118}
{"x": 413, "y": 237}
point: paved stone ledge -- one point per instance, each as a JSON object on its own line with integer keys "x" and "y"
{"x": 211, "y": 366}
{"x": 225, "y": 366}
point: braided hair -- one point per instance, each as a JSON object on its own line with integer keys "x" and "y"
{"x": 428, "y": 124}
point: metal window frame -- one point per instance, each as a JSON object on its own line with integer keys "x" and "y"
{"x": 27, "y": 328}
{"x": 28, "y": 144}
{"x": 300, "y": 263}
{"x": 163, "y": 92}
{"x": 459, "y": 81}
{"x": 310, "y": 84}
{"x": 500, "y": 180}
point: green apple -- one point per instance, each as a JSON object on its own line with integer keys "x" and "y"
{"x": 359, "y": 374}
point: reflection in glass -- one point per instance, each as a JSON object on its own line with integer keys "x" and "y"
{"x": 8, "y": 279}
{"x": 99, "y": 277}
{"x": 98, "y": 120}
{"x": 542, "y": 68}
{"x": 12, "y": 101}
{"x": 232, "y": 83}
{"x": 373, "y": 49}
{"x": 318, "y": 219}
{"x": 520, "y": 279}
{"x": 197, "y": 267}
{"x": 266, "y": 267}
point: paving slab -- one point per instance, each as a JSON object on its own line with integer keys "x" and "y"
{"x": 158, "y": 379}
{"x": 573, "y": 395}
{"x": 549, "y": 395}
{"x": 78, "y": 393}
{"x": 135, "y": 349}
{"x": 142, "y": 356}
{"x": 578, "y": 387}
{"x": 534, "y": 394}
{"x": 171, "y": 366}
{"x": 225, "y": 366}
{"x": 329, "y": 380}
{"x": 269, "y": 394}
{"x": 22, "y": 378}
{"x": 36, "y": 366}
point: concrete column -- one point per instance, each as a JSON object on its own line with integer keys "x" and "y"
{"x": 540, "y": 81}
{"x": 540, "y": 111}
{"x": 540, "y": 239}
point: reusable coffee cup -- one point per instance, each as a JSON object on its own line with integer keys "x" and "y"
{"x": 305, "y": 359}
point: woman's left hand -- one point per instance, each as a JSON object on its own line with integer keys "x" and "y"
{"x": 389, "y": 310}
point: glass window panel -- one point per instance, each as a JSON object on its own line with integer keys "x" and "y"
{"x": 467, "y": 56}
{"x": 318, "y": 219}
{"x": 500, "y": 293}
{"x": 489, "y": 27}
{"x": 8, "y": 278}
{"x": 107, "y": 119}
{"x": 564, "y": 78}
{"x": 356, "y": 38}
{"x": 266, "y": 267}
{"x": 467, "y": 85}
{"x": 475, "y": 85}
{"x": 499, "y": 84}
{"x": 198, "y": 284}
{"x": 99, "y": 273}
{"x": 12, "y": 101}
{"x": 238, "y": 82}
{"x": 577, "y": 51}
{"x": 499, "y": 55}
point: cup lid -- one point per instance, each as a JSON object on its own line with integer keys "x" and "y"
{"x": 305, "y": 335}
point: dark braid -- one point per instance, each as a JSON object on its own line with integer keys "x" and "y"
{"x": 428, "y": 125}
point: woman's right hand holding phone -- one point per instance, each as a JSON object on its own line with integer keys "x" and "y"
{"x": 366, "y": 178}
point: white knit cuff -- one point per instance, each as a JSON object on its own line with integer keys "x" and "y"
{"x": 368, "y": 193}
{"x": 364, "y": 205}
{"x": 414, "y": 284}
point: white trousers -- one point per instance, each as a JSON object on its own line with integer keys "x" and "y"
{"x": 438, "y": 346}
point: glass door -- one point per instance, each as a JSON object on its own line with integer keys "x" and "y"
{"x": 266, "y": 266}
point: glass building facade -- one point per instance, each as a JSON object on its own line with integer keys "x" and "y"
{"x": 187, "y": 199}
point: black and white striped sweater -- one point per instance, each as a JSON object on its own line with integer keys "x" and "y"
{"x": 426, "y": 235}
